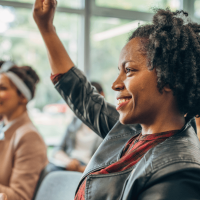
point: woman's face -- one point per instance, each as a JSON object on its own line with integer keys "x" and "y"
{"x": 138, "y": 97}
{"x": 10, "y": 100}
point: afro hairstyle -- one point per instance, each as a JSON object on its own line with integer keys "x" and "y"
{"x": 172, "y": 46}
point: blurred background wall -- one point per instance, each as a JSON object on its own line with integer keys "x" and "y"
{"x": 93, "y": 32}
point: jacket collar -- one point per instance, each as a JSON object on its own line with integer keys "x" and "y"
{"x": 189, "y": 121}
{"x": 7, "y": 131}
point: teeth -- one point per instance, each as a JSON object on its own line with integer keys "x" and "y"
{"x": 122, "y": 101}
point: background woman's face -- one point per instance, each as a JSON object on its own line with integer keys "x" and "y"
{"x": 138, "y": 97}
{"x": 9, "y": 97}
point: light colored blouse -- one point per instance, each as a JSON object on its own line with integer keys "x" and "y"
{"x": 22, "y": 157}
{"x": 84, "y": 143}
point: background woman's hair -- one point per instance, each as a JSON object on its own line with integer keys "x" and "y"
{"x": 28, "y": 76}
{"x": 172, "y": 46}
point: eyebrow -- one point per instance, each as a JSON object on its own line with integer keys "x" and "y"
{"x": 127, "y": 62}
{"x": 123, "y": 64}
{"x": 2, "y": 84}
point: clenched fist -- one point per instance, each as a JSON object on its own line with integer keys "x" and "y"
{"x": 43, "y": 14}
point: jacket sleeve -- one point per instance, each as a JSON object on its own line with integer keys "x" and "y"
{"x": 183, "y": 185}
{"x": 87, "y": 104}
{"x": 29, "y": 160}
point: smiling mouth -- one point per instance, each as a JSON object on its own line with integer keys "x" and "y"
{"x": 122, "y": 102}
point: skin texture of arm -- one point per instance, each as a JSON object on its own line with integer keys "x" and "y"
{"x": 43, "y": 14}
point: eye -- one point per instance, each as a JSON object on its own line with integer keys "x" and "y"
{"x": 3, "y": 88}
{"x": 128, "y": 70}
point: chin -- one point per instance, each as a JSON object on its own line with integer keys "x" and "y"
{"x": 126, "y": 120}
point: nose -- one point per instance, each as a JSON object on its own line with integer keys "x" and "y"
{"x": 118, "y": 85}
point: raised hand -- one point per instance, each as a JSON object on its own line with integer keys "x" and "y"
{"x": 43, "y": 14}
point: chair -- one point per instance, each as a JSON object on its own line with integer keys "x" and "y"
{"x": 59, "y": 185}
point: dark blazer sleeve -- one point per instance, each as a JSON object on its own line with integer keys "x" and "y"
{"x": 87, "y": 104}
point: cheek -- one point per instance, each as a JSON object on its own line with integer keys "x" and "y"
{"x": 5, "y": 95}
{"x": 135, "y": 86}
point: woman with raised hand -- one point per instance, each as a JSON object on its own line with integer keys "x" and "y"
{"x": 158, "y": 83}
{"x": 22, "y": 149}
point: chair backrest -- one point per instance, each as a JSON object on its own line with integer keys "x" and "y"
{"x": 59, "y": 185}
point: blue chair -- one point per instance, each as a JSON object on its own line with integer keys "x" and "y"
{"x": 59, "y": 185}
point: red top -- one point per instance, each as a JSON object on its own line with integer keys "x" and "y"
{"x": 133, "y": 151}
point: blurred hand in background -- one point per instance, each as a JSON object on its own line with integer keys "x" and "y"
{"x": 3, "y": 196}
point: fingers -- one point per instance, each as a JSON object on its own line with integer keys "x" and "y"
{"x": 50, "y": 2}
{"x": 38, "y": 3}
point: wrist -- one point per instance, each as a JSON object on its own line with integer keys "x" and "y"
{"x": 47, "y": 30}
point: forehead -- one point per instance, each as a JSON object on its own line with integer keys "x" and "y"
{"x": 5, "y": 80}
{"x": 132, "y": 51}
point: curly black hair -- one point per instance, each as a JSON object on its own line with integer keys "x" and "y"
{"x": 172, "y": 46}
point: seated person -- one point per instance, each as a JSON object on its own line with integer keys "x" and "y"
{"x": 77, "y": 146}
{"x": 22, "y": 149}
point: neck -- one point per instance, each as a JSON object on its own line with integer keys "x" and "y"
{"x": 165, "y": 120}
{"x": 14, "y": 115}
{"x": 164, "y": 125}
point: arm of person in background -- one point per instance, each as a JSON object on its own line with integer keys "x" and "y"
{"x": 71, "y": 164}
{"x": 3, "y": 196}
{"x": 75, "y": 89}
{"x": 29, "y": 160}
{"x": 61, "y": 155}
{"x": 198, "y": 126}
{"x": 66, "y": 145}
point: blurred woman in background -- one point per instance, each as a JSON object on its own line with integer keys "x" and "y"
{"x": 22, "y": 149}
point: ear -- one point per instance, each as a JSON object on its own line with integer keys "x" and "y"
{"x": 23, "y": 99}
{"x": 167, "y": 88}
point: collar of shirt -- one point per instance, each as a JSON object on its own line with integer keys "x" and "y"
{"x": 4, "y": 128}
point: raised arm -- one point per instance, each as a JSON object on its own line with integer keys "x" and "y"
{"x": 43, "y": 13}
{"x": 74, "y": 87}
